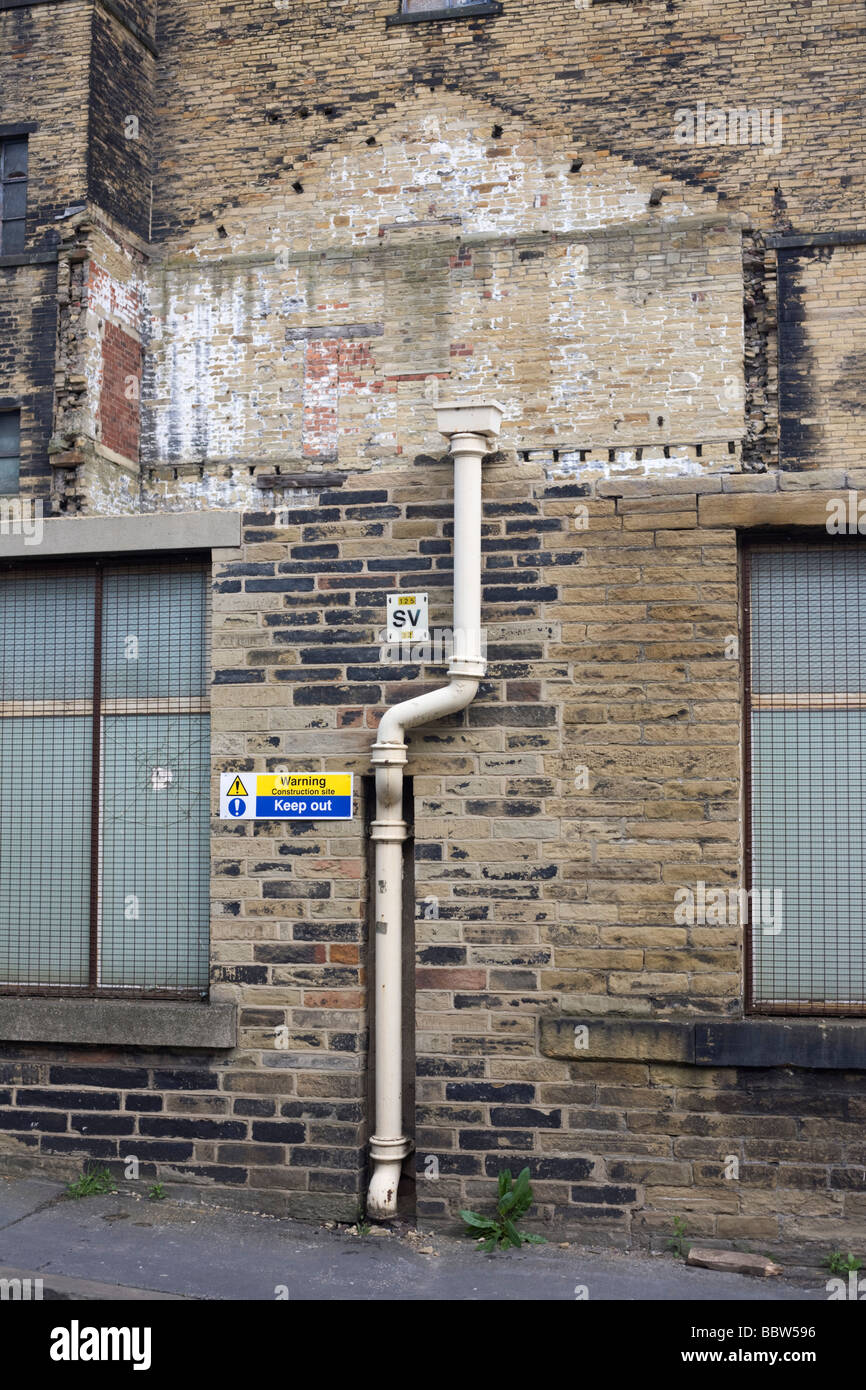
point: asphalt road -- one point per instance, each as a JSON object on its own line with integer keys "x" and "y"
{"x": 125, "y": 1245}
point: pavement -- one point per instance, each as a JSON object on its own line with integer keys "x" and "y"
{"x": 125, "y": 1246}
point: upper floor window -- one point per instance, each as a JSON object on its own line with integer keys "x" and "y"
{"x": 410, "y": 5}
{"x": 10, "y": 450}
{"x": 439, "y": 9}
{"x": 13, "y": 194}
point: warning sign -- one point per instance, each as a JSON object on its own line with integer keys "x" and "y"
{"x": 286, "y": 796}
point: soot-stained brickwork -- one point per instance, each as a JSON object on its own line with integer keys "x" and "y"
{"x": 272, "y": 246}
{"x": 122, "y": 70}
{"x": 822, "y": 348}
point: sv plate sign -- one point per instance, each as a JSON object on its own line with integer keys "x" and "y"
{"x": 408, "y": 618}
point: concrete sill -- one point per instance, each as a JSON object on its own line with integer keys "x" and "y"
{"x": 822, "y": 1045}
{"x": 28, "y": 258}
{"x": 143, "y": 531}
{"x": 484, "y": 7}
{"x": 120, "y": 1022}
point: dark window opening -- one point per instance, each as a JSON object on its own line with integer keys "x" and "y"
{"x": 805, "y": 664}
{"x": 13, "y": 195}
{"x": 411, "y": 6}
{"x": 104, "y": 746}
{"x": 412, "y": 10}
{"x": 10, "y": 451}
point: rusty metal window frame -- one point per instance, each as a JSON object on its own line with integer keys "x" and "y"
{"x": 789, "y": 680}
{"x": 83, "y": 655}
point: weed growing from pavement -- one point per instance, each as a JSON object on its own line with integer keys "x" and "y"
{"x": 500, "y": 1231}
{"x": 677, "y": 1243}
{"x": 93, "y": 1184}
{"x": 837, "y": 1263}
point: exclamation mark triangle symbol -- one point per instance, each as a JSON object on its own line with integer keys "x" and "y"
{"x": 237, "y": 788}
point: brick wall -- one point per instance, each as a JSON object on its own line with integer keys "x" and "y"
{"x": 614, "y": 76}
{"x": 45, "y": 82}
{"x": 121, "y": 377}
{"x": 322, "y": 329}
{"x": 27, "y": 334}
{"x": 122, "y": 72}
{"x": 46, "y": 52}
{"x": 498, "y": 206}
{"x": 597, "y": 772}
{"x": 822, "y": 351}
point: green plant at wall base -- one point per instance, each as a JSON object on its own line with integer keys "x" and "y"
{"x": 93, "y": 1184}
{"x": 157, "y": 1193}
{"x": 361, "y": 1225}
{"x": 677, "y": 1241}
{"x": 515, "y": 1199}
{"x": 837, "y": 1263}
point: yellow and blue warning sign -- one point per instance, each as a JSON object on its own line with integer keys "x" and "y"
{"x": 286, "y": 796}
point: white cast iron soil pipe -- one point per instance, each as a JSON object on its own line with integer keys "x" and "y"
{"x": 471, "y": 426}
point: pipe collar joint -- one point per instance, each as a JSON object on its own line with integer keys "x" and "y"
{"x": 389, "y": 755}
{"x": 387, "y": 1150}
{"x": 395, "y": 831}
{"x": 467, "y": 666}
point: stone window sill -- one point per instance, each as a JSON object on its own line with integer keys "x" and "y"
{"x": 118, "y": 1022}
{"x": 484, "y": 7}
{"x": 817, "y": 1044}
{"x": 28, "y": 258}
{"x": 115, "y": 535}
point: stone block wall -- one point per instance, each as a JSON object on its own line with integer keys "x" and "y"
{"x": 524, "y": 205}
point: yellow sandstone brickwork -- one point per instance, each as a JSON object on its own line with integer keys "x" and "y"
{"x": 640, "y": 227}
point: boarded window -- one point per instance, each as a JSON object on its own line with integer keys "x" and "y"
{"x": 806, "y": 761}
{"x": 10, "y": 451}
{"x": 13, "y": 195}
{"x": 104, "y": 750}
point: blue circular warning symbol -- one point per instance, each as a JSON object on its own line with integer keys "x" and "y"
{"x": 237, "y": 806}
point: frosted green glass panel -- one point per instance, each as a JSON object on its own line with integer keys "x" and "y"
{"x": 10, "y": 433}
{"x": 46, "y": 637}
{"x": 10, "y": 469}
{"x": 152, "y": 629}
{"x": 45, "y": 851}
{"x": 154, "y": 854}
{"x": 809, "y": 819}
{"x": 149, "y": 909}
{"x": 808, "y": 604}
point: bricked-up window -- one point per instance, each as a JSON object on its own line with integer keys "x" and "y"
{"x": 806, "y": 762}
{"x": 104, "y": 750}
{"x": 13, "y": 195}
{"x": 10, "y": 450}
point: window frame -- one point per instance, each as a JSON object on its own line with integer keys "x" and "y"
{"x": 754, "y": 1008}
{"x": 18, "y": 182}
{"x": 97, "y": 566}
{"x": 14, "y": 411}
{"x": 476, "y": 9}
